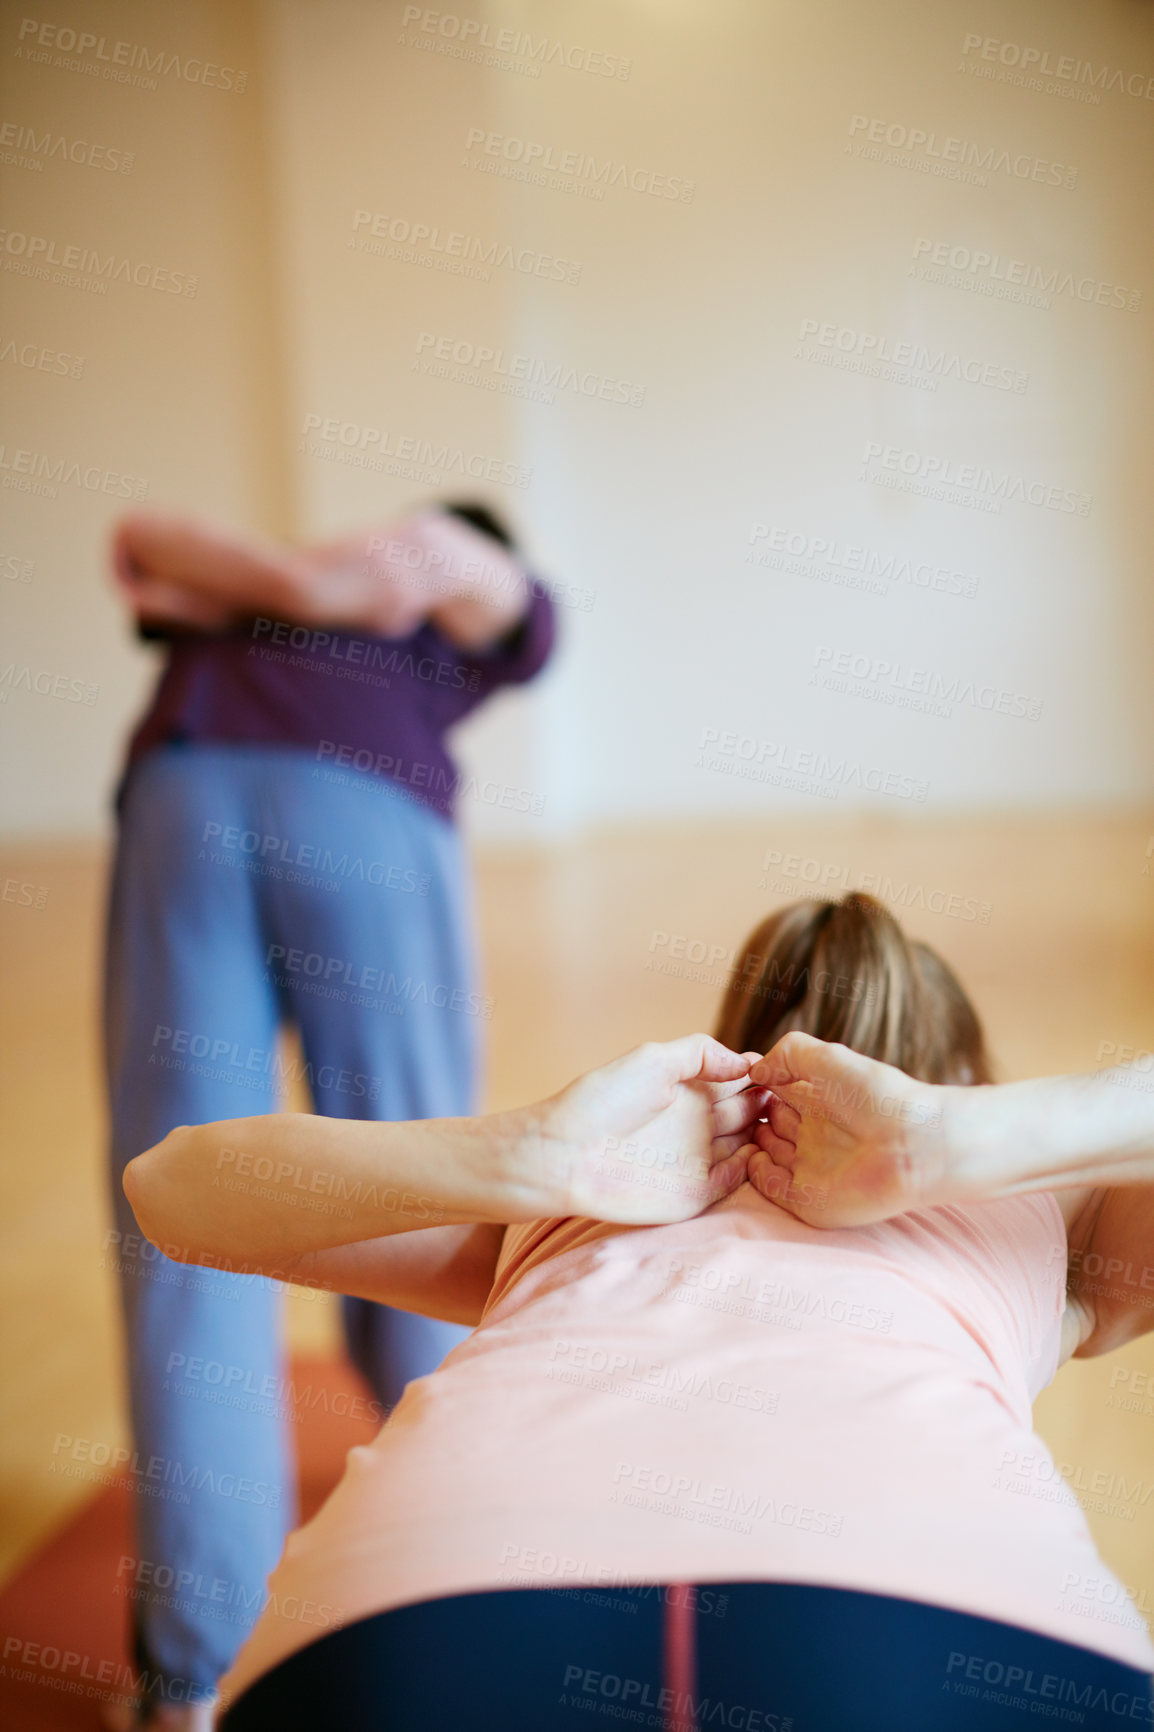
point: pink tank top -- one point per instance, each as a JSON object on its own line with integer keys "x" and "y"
{"x": 737, "y": 1397}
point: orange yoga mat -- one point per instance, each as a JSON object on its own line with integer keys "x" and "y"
{"x": 63, "y": 1618}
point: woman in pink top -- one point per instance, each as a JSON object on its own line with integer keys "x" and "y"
{"x": 743, "y": 1435}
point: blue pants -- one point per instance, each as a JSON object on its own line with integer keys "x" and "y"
{"x": 251, "y": 891}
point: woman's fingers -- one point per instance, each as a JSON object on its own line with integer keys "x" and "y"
{"x": 794, "y": 1057}
{"x": 653, "y": 1073}
{"x": 739, "y": 1109}
{"x": 726, "y": 1175}
{"x": 785, "y": 1120}
{"x": 779, "y": 1149}
{"x": 824, "y": 1079}
{"x": 700, "y": 1058}
{"x": 722, "y": 1147}
{"x": 763, "y": 1172}
{"x": 813, "y": 1074}
{"x": 756, "y": 1118}
{"x": 721, "y": 1091}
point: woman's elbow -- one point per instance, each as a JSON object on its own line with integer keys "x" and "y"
{"x": 148, "y": 1187}
{"x": 138, "y": 1183}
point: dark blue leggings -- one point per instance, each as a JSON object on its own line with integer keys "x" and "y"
{"x": 745, "y": 1656}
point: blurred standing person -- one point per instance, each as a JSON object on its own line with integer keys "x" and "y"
{"x": 286, "y": 853}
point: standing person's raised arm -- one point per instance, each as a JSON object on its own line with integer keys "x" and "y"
{"x": 184, "y": 572}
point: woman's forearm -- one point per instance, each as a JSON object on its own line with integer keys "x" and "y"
{"x": 849, "y": 1140}
{"x": 444, "y": 1272}
{"x": 1047, "y": 1134}
{"x": 277, "y": 1187}
{"x": 650, "y": 1137}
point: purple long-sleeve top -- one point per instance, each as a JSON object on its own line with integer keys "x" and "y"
{"x": 381, "y": 705}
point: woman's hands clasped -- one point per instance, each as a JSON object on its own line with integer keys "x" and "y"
{"x": 653, "y": 1137}
{"x": 846, "y": 1140}
{"x": 837, "y": 1139}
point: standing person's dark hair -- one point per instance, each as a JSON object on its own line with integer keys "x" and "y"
{"x": 483, "y": 518}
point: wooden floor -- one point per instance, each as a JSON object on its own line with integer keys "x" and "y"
{"x": 588, "y": 949}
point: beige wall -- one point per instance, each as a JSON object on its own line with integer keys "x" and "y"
{"x": 701, "y": 302}
{"x": 176, "y": 390}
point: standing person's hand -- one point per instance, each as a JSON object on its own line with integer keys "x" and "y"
{"x": 655, "y": 1136}
{"x": 430, "y": 565}
{"x": 847, "y": 1140}
{"x": 387, "y": 582}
